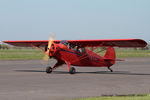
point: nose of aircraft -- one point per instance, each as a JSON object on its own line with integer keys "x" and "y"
{"x": 56, "y": 47}
{"x": 52, "y": 50}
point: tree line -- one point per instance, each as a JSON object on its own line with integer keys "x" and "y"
{"x": 3, "y": 46}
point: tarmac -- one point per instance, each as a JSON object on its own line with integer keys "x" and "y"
{"x": 27, "y": 80}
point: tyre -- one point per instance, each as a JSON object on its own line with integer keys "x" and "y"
{"x": 72, "y": 70}
{"x": 48, "y": 70}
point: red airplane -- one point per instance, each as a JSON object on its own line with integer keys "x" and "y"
{"x": 76, "y": 52}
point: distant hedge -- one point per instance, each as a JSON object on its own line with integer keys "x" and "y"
{"x": 2, "y": 46}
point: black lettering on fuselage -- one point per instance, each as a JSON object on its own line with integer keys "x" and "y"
{"x": 93, "y": 58}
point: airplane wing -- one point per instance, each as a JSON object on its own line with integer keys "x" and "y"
{"x": 110, "y": 42}
{"x": 28, "y": 43}
{"x": 84, "y": 43}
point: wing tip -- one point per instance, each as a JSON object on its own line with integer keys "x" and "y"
{"x": 142, "y": 42}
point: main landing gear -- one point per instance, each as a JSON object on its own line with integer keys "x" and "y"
{"x": 72, "y": 70}
{"x": 48, "y": 69}
{"x": 110, "y": 69}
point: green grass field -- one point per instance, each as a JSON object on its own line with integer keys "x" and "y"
{"x": 130, "y": 53}
{"x": 142, "y": 97}
{"x": 28, "y": 54}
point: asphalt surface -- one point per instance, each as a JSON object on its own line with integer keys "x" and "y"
{"x": 27, "y": 80}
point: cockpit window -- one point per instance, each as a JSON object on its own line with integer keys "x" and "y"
{"x": 77, "y": 48}
{"x": 81, "y": 50}
{"x": 73, "y": 47}
{"x": 64, "y": 42}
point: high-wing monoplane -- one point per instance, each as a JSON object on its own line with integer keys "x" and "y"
{"x": 77, "y": 52}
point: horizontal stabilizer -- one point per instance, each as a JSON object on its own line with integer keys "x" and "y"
{"x": 113, "y": 59}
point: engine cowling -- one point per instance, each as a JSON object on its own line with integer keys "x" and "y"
{"x": 52, "y": 50}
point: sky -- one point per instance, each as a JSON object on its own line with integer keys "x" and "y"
{"x": 74, "y": 19}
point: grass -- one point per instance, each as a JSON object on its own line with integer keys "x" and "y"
{"x": 140, "y": 97}
{"x": 133, "y": 53}
{"x": 28, "y": 54}
{"x": 25, "y": 54}
{"x": 130, "y": 53}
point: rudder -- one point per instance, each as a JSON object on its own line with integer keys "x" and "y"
{"x": 110, "y": 54}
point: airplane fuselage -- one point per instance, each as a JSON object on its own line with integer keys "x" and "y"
{"x": 84, "y": 57}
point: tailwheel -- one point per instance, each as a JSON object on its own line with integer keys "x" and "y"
{"x": 110, "y": 69}
{"x": 48, "y": 70}
{"x": 72, "y": 70}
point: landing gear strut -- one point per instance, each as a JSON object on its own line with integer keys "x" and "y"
{"x": 72, "y": 70}
{"x": 110, "y": 69}
{"x": 48, "y": 70}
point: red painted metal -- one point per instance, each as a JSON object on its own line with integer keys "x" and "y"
{"x": 86, "y": 43}
{"x": 88, "y": 58}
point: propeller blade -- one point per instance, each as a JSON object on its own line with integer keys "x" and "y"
{"x": 50, "y": 42}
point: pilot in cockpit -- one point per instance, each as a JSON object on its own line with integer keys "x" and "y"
{"x": 73, "y": 47}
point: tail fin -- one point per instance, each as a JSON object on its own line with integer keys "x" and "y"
{"x": 110, "y": 55}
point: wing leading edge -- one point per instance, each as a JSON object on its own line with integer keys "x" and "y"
{"x": 85, "y": 43}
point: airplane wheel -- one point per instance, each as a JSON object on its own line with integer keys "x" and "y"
{"x": 48, "y": 70}
{"x": 72, "y": 70}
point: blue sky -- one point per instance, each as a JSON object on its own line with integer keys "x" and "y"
{"x": 74, "y": 19}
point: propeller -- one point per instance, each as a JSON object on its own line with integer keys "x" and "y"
{"x": 50, "y": 42}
